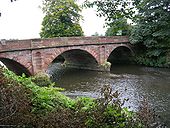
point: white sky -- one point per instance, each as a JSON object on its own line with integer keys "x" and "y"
{"x": 22, "y": 20}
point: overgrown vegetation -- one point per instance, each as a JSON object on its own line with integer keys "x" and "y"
{"x": 150, "y": 31}
{"x": 24, "y": 104}
{"x": 116, "y": 29}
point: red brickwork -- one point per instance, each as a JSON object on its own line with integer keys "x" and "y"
{"x": 36, "y": 54}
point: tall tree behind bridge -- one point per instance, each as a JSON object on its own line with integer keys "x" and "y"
{"x": 153, "y": 32}
{"x": 152, "y": 29}
{"x": 118, "y": 29}
{"x": 115, "y": 12}
{"x": 61, "y": 19}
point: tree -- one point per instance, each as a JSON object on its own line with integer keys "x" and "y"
{"x": 152, "y": 29}
{"x": 95, "y": 34}
{"x": 118, "y": 29}
{"x": 115, "y": 12}
{"x": 61, "y": 19}
{"x": 153, "y": 32}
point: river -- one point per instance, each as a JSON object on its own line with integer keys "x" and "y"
{"x": 133, "y": 82}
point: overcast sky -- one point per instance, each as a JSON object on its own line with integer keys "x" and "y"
{"x": 22, "y": 20}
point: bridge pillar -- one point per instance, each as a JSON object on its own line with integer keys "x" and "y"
{"x": 102, "y": 55}
{"x": 102, "y": 58}
{"x": 37, "y": 62}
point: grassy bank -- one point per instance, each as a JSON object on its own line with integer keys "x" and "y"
{"x": 25, "y": 104}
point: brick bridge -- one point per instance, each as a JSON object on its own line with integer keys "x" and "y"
{"x": 35, "y": 55}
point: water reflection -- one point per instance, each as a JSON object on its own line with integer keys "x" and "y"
{"x": 132, "y": 82}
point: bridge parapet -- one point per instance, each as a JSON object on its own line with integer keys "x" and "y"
{"x": 9, "y": 45}
{"x": 35, "y": 55}
{"x": 31, "y": 44}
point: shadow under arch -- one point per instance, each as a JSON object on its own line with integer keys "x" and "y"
{"x": 74, "y": 58}
{"x": 16, "y": 67}
{"x": 120, "y": 56}
{"x": 77, "y": 57}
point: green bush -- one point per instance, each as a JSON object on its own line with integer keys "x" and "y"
{"x": 15, "y": 101}
{"x": 152, "y": 61}
{"x": 44, "y": 99}
{"x": 41, "y": 79}
{"x": 45, "y": 107}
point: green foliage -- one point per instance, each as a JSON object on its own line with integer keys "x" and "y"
{"x": 15, "y": 101}
{"x": 95, "y": 34}
{"x": 41, "y": 79}
{"x": 109, "y": 113}
{"x": 148, "y": 117}
{"x": 84, "y": 104}
{"x": 106, "y": 112}
{"x": 153, "y": 32}
{"x": 61, "y": 19}
{"x": 44, "y": 99}
{"x": 45, "y": 107}
{"x": 152, "y": 61}
{"x": 106, "y": 65}
{"x": 115, "y": 13}
{"x": 118, "y": 29}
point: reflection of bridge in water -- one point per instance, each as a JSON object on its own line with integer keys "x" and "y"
{"x": 35, "y": 55}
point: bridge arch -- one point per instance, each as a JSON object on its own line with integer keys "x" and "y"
{"x": 120, "y": 55}
{"x": 15, "y": 66}
{"x": 76, "y": 58}
{"x": 80, "y": 58}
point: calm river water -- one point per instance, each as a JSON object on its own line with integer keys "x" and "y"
{"x": 133, "y": 82}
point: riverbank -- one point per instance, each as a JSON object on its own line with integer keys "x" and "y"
{"x": 34, "y": 106}
{"x": 133, "y": 82}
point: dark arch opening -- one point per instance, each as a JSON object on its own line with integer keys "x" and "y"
{"x": 14, "y": 66}
{"x": 76, "y": 57}
{"x": 80, "y": 58}
{"x": 59, "y": 59}
{"x": 120, "y": 55}
{"x": 72, "y": 59}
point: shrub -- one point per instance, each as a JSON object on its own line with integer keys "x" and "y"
{"x": 24, "y": 104}
{"x": 41, "y": 79}
{"x": 148, "y": 117}
{"x": 15, "y": 104}
{"x": 43, "y": 99}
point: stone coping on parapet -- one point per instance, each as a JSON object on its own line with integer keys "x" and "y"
{"x": 28, "y": 44}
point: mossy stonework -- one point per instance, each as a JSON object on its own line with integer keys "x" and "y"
{"x": 105, "y": 66}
